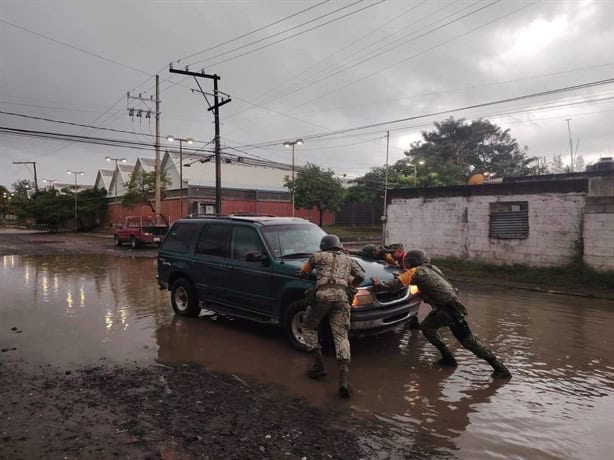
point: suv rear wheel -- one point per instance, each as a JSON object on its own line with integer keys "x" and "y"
{"x": 183, "y": 298}
{"x": 117, "y": 242}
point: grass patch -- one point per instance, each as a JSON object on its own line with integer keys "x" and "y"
{"x": 571, "y": 276}
{"x": 349, "y": 233}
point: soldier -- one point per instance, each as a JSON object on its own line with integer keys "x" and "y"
{"x": 392, "y": 254}
{"x": 447, "y": 310}
{"x": 335, "y": 271}
{"x": 396, "y": 252}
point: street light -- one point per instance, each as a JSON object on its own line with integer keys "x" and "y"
{"x": 292, "y": 144}
{"x": 76, "y": 173}
{"x": 421, "y": 162}
{"x": 116, "y": 160}
{"x": 52, "y": 182}
{"x": 188, "y": 141}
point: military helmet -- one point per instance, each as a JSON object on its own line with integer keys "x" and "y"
{"x": 370, "y": 250}
{"x": 395, "y": 246}
{"x": 330, "y": 242}
{"x": 416, "y": 257}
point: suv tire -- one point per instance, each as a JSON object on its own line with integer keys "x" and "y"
{"x": 117, "y": 242}
{"x": 293, "y": 325}
{"x": 183, "y": 298}
{"x": 133, "y": 242}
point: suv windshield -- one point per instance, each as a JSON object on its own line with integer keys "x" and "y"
{"x": 293, "y": 239}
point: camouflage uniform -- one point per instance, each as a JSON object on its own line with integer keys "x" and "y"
{"x": 334, "y": 270}
{"x": 447, "y": 310}
{"x": 384, "y": 254}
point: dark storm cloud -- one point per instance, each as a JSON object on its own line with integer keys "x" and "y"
{"x": 477, "y": 59}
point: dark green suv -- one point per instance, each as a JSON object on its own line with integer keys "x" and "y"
{"x": 246, "y": 267}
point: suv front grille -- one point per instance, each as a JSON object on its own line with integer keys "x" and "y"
{"x": 385, "y": 297}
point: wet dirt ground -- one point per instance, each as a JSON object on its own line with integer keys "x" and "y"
{"x": 99, "y": 366}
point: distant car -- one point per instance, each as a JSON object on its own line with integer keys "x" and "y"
{"x": 139, "y": 230}
{"x": 246, "y": 267}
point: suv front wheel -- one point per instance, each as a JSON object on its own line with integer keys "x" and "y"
{"x": 295, "y": 316}
{"x": 183, "y": 298}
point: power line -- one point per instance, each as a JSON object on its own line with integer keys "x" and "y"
{"x": 189, "y": 56}
{"x": 474, "y": 106}
{"x": 289, "y": 29}
{"x": 442, "y": 112}
{"x": 51, "y": 120}
{"x": 403, "y": 42}
{"x": 380, "y": 70}
{"x": 76, "y": 48}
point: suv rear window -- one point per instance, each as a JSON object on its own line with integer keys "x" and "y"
{"x": 213, "y": 240}
{"x": 180, "y": 237}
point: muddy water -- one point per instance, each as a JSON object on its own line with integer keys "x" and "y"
{"x": 81, "y": 309}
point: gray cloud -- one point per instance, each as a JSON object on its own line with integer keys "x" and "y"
{"x": 546, "y": 45}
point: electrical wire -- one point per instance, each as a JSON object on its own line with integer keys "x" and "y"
{"x": 401, "y": 41}
{"x": 76, "y": 48}
{"x": 189, "y": 56}
{"x": 289, "y": 29}
{"x": 380, "y": 70}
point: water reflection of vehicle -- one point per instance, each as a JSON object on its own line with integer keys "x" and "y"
{"x": 246, "y": 267}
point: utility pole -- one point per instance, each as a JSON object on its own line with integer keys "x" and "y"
{"x": 33, "y": 163}
{"x": 139, "y": 112}
{"x": 76, "y": 173}
{"x": 216, "y": 112}
{"x": 571, "y": 167}
{"x": 385, "y": 215}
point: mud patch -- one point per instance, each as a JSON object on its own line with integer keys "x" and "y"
{"x": 162, "y": 412}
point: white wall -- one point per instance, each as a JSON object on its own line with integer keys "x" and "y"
{"x": 458, "y": 227}
{"x": 599, "y": 240}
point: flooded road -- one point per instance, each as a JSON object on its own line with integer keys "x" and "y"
{"x": 76, "y": 310}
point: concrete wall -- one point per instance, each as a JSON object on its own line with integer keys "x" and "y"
{"x": 458, "y": 226}
{"x": 569, "y": 219}
{"x": 599, "y": 224}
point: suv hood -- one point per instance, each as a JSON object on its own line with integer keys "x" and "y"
{"x": 371, "y": 268}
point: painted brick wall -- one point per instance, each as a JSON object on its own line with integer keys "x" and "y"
{"x": 171, "y": 210}
{"x": 459, "y": 226}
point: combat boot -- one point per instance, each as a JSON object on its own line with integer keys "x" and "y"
{"x": 447, "y": 359}
{"x": 500, "y": 371}
{"x": 317, "y": 370}
{"x": 345, "y": 391}
{"x": 473, "y": 344}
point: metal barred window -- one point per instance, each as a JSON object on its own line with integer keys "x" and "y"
{"x": 509, "y": 220}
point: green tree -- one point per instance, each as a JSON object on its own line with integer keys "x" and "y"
{"x": 141, "y": 190}
{"x": 369, "y": 188}
{"x": 5, "y": 197}
{"x": 316, "y": 188}
{"x": 455, "y": 149}
{"x": 21, "y": 187}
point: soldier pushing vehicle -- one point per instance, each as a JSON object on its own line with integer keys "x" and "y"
{"x": 447, "y": 310}
{"x": 335, "y": 272}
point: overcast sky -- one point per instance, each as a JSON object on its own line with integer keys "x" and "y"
{"x": 365, "y": 62}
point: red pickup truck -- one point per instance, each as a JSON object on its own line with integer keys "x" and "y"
{"x": 139, "y": 230}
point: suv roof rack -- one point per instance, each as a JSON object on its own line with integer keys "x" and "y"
{"x": 240, "y": 216}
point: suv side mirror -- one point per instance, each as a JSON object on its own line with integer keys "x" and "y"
{"x": 257, "y": 256}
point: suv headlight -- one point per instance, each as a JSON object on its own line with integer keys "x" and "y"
{"x": 363, "y": 297}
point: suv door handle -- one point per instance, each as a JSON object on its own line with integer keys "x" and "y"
{"x": 228, "y": 267}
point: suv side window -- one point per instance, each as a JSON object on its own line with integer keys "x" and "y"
{"x": 244, "y": 240}
{"x": 213, "y": 240}
{"x": 180, "y": 237}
